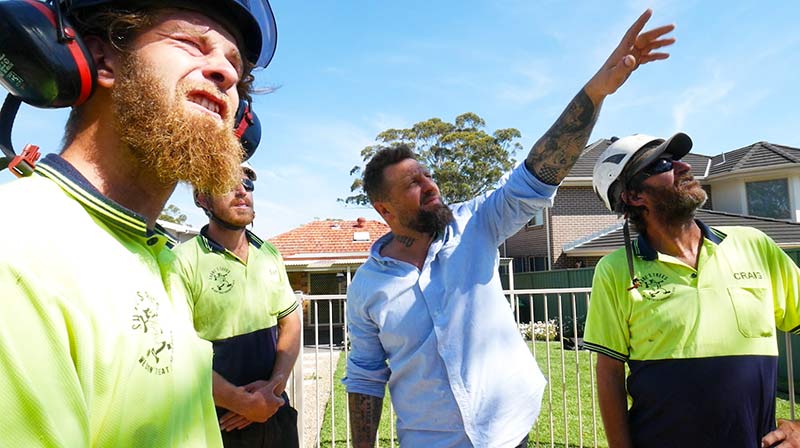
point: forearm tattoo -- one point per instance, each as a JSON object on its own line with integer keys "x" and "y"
{"x": 365, "y": 416}
{"x": 406, "y": 241}
{"x": 553, "y": 155}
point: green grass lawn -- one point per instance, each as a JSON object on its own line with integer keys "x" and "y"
{"x": 568, "y": 427}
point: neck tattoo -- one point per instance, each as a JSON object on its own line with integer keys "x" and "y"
{"x": 406, "y": 241}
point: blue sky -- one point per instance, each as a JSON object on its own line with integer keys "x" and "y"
{"x": 350, "y": 69}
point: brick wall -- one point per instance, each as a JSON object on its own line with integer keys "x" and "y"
{"x": 577, "y": 212}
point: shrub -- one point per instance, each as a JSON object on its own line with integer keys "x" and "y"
{"x": 539, "y": 331}
{"x": 569, "y": 326}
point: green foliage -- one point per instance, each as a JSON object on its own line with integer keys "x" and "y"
{"x": 172, "y": 213}
{"x": 465, "y": 161}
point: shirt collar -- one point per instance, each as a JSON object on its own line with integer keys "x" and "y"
{"x": 63, "y": 174}
{"x": 645, "y": 250}
{"x": 214, "y": 246}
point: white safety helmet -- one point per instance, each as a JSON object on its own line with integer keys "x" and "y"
{"x": 249, "y": 171}
{"x": 627, "y": 156}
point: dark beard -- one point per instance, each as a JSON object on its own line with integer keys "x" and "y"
{"x": 677, "y": 204}
{"x": 173, "y": 143}
{"x": 432, "y": 222}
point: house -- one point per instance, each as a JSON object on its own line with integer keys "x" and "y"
{"x": 321, "y": 258}
{"x": 759, "y": 183}
{"x": 180, "y": 232}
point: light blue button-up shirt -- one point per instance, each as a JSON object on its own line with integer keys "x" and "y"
{"x": 443, "y": 337}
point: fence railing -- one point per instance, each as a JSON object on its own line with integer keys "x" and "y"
{"x": 550, "y": 319}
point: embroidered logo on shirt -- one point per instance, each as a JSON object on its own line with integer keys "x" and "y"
{"x": 222, "y": 283}
{"x": 653, "y": 286}
{"x": 157, "y": 358}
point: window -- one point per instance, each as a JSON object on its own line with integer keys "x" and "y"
{"x": 530, "y": 264}
{"x": 769, "y": 199}
{"x": 538, "y": 218}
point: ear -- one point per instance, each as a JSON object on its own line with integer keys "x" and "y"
{"x": 633, "y": 198}
{"x": 106, "y": 60}
{"x": 201, "y": 200}
{"x": 382, "y": 210}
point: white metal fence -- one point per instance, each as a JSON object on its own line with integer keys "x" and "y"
{"x": 553, "y": 319}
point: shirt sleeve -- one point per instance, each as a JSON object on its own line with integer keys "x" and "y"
{"x": 508, "y": 208}
{"x": 286, "y": 300}
{"x": 182, "y": 276}
{"x": 785, "y": 278}
{"x": 42, "y": 400}
{"x": 607, "y": 329}
{"x": 367, "y": 370}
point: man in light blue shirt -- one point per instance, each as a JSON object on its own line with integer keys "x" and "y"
{"x": 427, "y": 314}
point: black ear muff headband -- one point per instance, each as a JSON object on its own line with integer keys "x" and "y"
{"x": 247, "y": 128}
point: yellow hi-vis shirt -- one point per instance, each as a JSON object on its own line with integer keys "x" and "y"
{"x": 97, "y": 347}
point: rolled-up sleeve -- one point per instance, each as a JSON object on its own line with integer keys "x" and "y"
{"x": 367, "y": 368}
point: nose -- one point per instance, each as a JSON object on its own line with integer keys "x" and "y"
{"x": 221, "y": 71}
{"x": 239, "y": 190}
{"x": 680, "y": 166}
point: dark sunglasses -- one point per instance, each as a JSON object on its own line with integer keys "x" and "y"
{"x": 658, "y": 166}
{"x": 248, "y": 184}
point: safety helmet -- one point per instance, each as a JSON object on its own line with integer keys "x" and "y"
{"x": 249, "y": 171}
{"x": 44, "y": 62}
{"x": 627, "y": 156}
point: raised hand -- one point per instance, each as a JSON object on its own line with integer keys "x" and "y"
{"x": 635, "y": 48}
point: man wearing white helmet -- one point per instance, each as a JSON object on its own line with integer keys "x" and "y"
{"x": 96, "y": 339}
{"x": 242, "y": 302}
{"x": 691, "y": 309}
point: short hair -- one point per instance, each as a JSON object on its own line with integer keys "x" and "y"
{"x": 119, "y": 26}
{"x": 373, "y": 173}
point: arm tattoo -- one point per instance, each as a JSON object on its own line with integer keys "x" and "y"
{"x": 406, "y": 241}
{"x": 365, "y": 416}
{"x": 553, "y": 155}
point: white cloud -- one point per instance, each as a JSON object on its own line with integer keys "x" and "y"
{"x": 534, "y": 82}
{"x": 701, "y": 98}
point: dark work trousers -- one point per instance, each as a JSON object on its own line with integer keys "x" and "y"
{"x": 280, "y": 431}
{"x": 524, "y": 443}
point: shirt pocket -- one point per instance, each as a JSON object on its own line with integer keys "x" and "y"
{"x": 754, "y": 314}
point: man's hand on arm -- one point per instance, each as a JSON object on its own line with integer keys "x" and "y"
{"x": 613, "y": 401}
{"x": 554, "y": 154}
{"x": 786, "y": 436}
{"x": 365, "y": 416}
{"x": 246, "y": 406}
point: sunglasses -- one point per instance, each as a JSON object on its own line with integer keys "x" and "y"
{"x": 658, "y": 166}
{"x": 248, "y": 184}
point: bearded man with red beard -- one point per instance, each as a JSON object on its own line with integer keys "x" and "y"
{"x": 96, "y": 338}
{"x": 691, "y": 309}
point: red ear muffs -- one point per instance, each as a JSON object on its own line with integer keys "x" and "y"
{"x": 247, "y": 127}
{"x": 38, "y": 64}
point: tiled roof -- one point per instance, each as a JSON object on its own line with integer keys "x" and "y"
{"x": 330, "y": 238}
{"x": 757, "y": 155}
{"x": 785, "y": 233}
{"x": 585, "y": 164}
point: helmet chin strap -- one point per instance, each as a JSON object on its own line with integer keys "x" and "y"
{"x": 636, "y": 283}
{"x": 222, "y": 223}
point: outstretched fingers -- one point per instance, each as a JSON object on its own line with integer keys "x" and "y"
{"x": 655, "y": 33}
{"x": 630, "y": 36}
